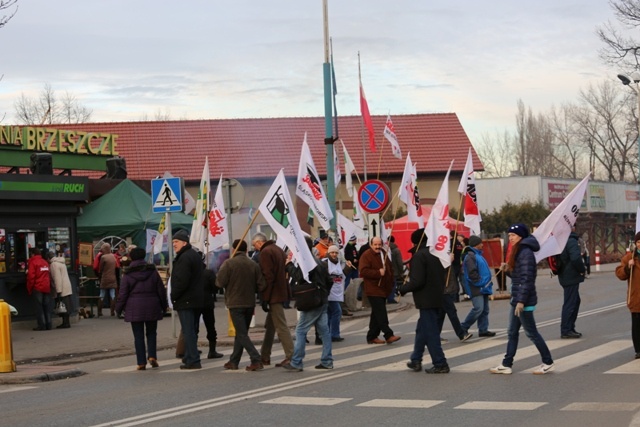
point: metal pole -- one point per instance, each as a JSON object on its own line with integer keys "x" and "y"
{"x": 328, "y": 122}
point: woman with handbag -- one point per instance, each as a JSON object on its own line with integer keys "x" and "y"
{"x": 143, "y": 299}
{"x": 62, "y": 283}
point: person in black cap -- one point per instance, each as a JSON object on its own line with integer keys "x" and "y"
{"x": 521, "y": 267}
{"x": 187, "y": 295}
{"x": 426, "y": 282}
{"x": 477, "y": 283}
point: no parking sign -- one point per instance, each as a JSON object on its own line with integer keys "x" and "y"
{"x": 373, "y": 196}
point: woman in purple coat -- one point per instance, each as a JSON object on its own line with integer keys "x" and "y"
{"x": 143, "y": 299}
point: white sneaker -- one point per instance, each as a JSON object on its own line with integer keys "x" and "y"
{"x": 543, "y": 369}
{"x": 466, "y": 337}
{"x": 501, "y": 370}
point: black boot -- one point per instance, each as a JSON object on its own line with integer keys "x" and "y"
{"x": 65, "y": 322}
{"x": 213, "y": 354}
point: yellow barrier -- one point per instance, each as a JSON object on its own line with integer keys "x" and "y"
{"x": 231, "y": 331}
{"x": 6, "y": 345}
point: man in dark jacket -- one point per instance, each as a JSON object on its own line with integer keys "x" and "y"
{"x": 187, "y": 295}
{"x": 398, "y": 269}
{"x": 570, "y": 276}
{"x": 427, "y": 282}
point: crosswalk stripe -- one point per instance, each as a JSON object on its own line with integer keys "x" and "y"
{"x": 491, "y": 361}
{"x": 314, "y": 401}
{"x": 501, "y": 406}
{"x": 602, "y": 406}
{"x": 10, "y": 389}
{"x": 401, "y": 403}
{"x": 632, "y": 367}
{"x": 588, "y": 356}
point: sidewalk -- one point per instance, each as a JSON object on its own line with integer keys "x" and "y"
{"x": 50, "y": 355}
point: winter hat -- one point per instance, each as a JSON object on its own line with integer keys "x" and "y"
{"x": 137, "y": 253}
{"x": 519, "y": 229}
{"x": 333, "y": 248}
{"x": 353, "y": 238}
{"x": 240, "y": 244}
{"x": 635, "y": 239}
{"x": 417, "y": 235}
{"x": 181, "y": 235}
{"x": 474, "y": 241}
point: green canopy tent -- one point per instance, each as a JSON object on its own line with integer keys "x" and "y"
{"x": 125, "y": 211}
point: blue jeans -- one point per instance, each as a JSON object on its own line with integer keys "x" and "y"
{"x": 353, "y": 274}
{"x": 189, "y": 319}
{"x": 428, "y": 334}
{"x": 43, "y": 309}
{"x": 317, "y": 317}
{"x": 334, "y": 313}
{"x": 479, "y": 312}
{"x": 138, "y": 329}
{"x": 528, "y": 323}
{"x": 570, "y": 308}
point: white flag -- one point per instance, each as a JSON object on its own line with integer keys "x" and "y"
{"x": 390, "y": 134}
{"x": 309, "y": 188}
{"x": 199, "y": 232}
{"x": 337, "y": 176}
{"x": 218, "y": 230}
{"x": 277, "y": 209}
{"x": 553, "y": 233}
{"x": 161, "y": 239}
{"x": 409, "y": 193}
{"x": 348, "y": 169}
{"x": 188, "y": 201}
{"x": 437, "y": 230}
{"x": 347, "y": 229}
{"x": 467, "y": 188}
{"x": 358, "y": 216}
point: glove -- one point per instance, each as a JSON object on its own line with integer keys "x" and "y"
{"x": 265, "y": 306}
{"x": 401, "y": 291}
{"x": 519, "y": 309}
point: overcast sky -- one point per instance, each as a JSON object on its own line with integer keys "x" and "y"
{"x": 206, "y": 59}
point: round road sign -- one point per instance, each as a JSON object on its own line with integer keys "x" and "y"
{"x": 373, "y": 196}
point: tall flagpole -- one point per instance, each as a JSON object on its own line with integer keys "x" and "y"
{"x": 364, "y": 148}
{"x": 328, "y": 122}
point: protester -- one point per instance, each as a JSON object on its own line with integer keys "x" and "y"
{"x": 571, "y": 274}
{"x": 457, "y": 245}
{"x": 478, "y": 285}
{"x": 108, "y": 278}
{"x": 584, "y": 253}
{"x": 60, "y": 277}
{"x": 377, "y": 274}
{"x": 398, "y": 269}
{"x": 351, "y": 260}
{"x": 241, "y": 279}
{"x": 448, "y": 305}
{"x": 322, "y": 246}
{"x": 426, "y": 282}
{"x": 143, "y": 299}
{"x": 335, "y": 266}
{"x": 186, "y": 295}
{"x": 521, "y": 267}
{"x": 272, "y": 262}
{"x": 629, "y": 270}
{"x": 39, "y": 286}
{"x": 208, "y": 313}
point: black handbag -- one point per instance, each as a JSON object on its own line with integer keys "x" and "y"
{"x": 308, "y": 296}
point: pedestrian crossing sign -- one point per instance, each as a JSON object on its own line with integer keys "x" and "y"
{"x": 166, "y": 195}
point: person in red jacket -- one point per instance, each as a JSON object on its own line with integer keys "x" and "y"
{"x": 39, "y": 285}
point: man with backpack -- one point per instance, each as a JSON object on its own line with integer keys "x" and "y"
{"x": 477, "y": 283}
{"x": 571, "y": 273}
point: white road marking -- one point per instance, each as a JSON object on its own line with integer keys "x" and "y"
{"x": 401, "y": 403}
{"x": 601, "y": 406}
{"x": 632, "y": 367}
{"x": 10, "y": 389}
{"x": 314, "y": 401}
{"x": 501, "y": 406}
{"x": 587, "y": 356}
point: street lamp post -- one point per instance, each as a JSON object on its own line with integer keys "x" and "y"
{"x": 635, "y": 78}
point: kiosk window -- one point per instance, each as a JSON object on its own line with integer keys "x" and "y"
{"x": 59, "y": 243}
{"x": 14, "y": 248}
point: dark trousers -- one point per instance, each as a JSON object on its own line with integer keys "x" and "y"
{"x": 43, "y": 309}
{"x": 587, "y": 263}
{"x": 189, "y": 319}
{"x": 209, "y": 320}
{"x": 378, "y": 322}
{"x": 428, "y": 334}
{"x": 570, "y": 308}
{"x": 241, "y": 318}
{"x": 449, "y": 307}
{"x": 140, "y": 330}
{"x": 635, "y": 331}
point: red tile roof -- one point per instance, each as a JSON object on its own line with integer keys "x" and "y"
{"x": 259, "y": 148}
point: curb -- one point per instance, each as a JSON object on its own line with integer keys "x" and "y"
{"x": 39, "y": 373}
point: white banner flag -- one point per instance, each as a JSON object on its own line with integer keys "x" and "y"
{"x": 390, "y": 134}
{"x": 437, "y": 229}
{"x": 409, "y": 193}
{"x": 553, "y": 233}
{"x": 199, "y": 229}
{"x": 467, "y": 188}
{"x": 161, "y": 239}
{"x": 337, "y": 176}
{"x": 218, "y": 230}
{"x": 349, "y": 168}
{"x": 309, "y": 188}
{"x": 277, "y": 209}
{"x": 348, "y": 229}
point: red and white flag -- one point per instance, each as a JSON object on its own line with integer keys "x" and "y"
{"x": 198, "y": 238}
{"x": 366, "y": 116}
{"x": 309, "y": 187}
{"x": 390, "y": 134}
{"x": 349, "y": 168}
{"x": 553, "y": 233}
{"x": 218, "y": 230}
{"x": 437, "y": 230}
{"x": 358, "y": 216}
{"x": 467, "y": 188}
{"x": 409, "y": 193}
{"x": 337, "y": 176}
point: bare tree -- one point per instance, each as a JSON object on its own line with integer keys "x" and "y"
{"x": 47, "y": 108}
{"x": 496, "y": 155}
{"x": 569, "y": 149}
{"x": 620, "y": 48}
{"x": 5, "y": 5}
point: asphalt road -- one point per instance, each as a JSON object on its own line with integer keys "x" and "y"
{"x": 594, "y": 383}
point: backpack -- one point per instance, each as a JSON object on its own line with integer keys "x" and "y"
{"x": 307, "y": 295}
{"x": 555, "y": 264}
